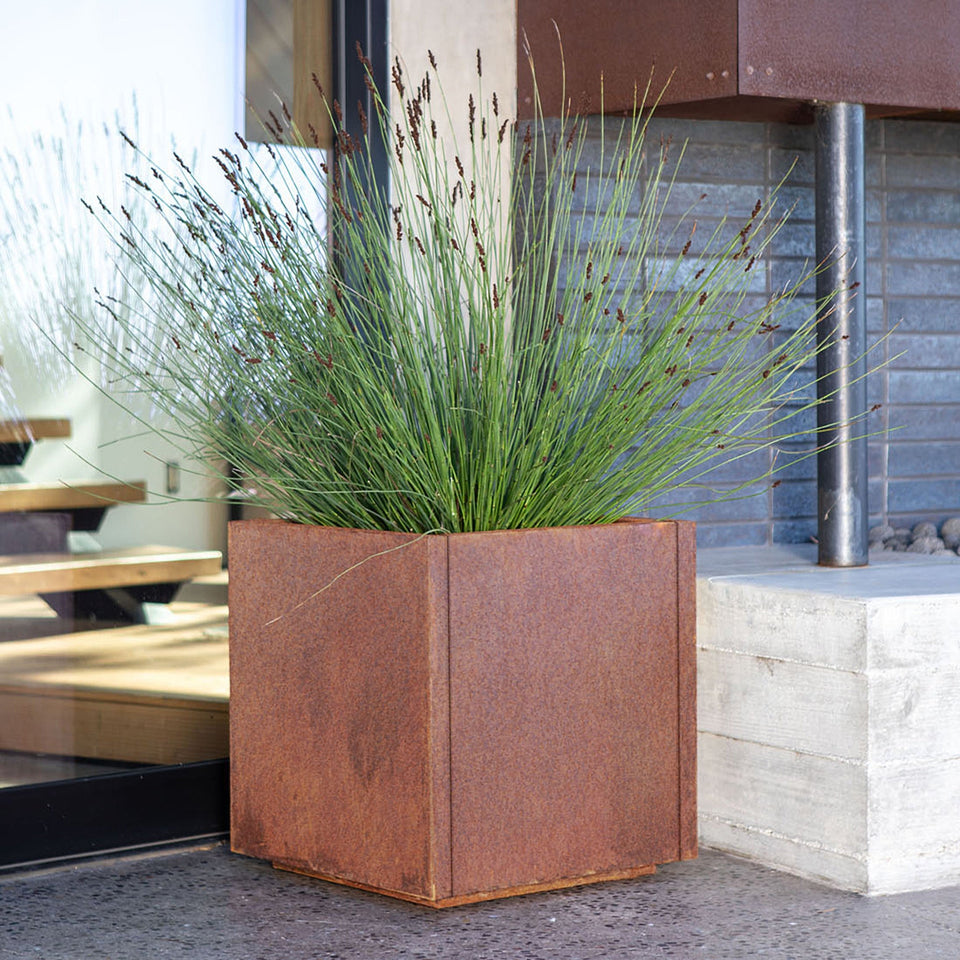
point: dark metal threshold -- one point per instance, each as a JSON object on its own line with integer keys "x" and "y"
{"x": 43, "y": 825}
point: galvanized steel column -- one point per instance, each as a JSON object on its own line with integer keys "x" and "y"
{"x": 842, "y": 332}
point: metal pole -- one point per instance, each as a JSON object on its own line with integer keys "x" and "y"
{"x": 842, "y": 332}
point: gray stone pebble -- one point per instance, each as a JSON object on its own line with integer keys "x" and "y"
{"x": 924, "y": 538}
{"x": 923, "y": 530}
{"x": 950, "y": 531}
{"x": 926, "y": 545}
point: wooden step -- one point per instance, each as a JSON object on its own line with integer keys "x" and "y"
{"x": 144, "y": 694}
{"x": 17, "y": 436}
{"x": 69, "y": 495}
{"x": 86, "y": 501}
{"x": 33, "y": 428}
{"x": 56, "y": 572}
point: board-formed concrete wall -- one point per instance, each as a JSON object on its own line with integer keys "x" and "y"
{"x": 829, "y": 716}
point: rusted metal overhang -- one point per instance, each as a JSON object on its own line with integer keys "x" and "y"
{"x": 744, "y": 59}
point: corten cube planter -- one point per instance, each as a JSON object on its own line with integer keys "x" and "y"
{"x": 452, "y": 718}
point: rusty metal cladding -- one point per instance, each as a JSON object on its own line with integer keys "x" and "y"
{"x": 745, "y": 59}
{"x": 885, "y": 52}
{"x": 687, "y": 684}
{"x": 334, "y": 719}
{"x": 452, "y": 718}
{"x": 564, "y": 712}
{"x": 624, "y": 42}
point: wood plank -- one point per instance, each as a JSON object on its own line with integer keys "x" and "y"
{"x": 60, "y": 573}
{"x": 312, "y": 56}
{"x": 70, "y": 495}
{"x": 70, "y": 723}
{"x": 142, "y": 693}
{"x": 33, "y": 428}
{"x": 185, "y": 658}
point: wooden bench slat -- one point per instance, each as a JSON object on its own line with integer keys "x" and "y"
{"x": 33, "y": 428}
{"x": 69, "y": 495}
{"x": 62, "y": 573}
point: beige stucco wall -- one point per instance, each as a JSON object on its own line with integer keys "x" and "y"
{"x": 454, "y": 30}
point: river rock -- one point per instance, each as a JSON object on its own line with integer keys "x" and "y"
{"x": 880, "y": 533}
{"x": 950, "y": 532}
{"x": 924, "y": 529}
{"x": 926, "y": 545}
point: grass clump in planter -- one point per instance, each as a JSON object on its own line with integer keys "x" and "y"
{"x": 473, "y": 347}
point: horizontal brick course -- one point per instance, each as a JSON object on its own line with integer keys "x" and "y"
{"x": 913, "y": 290}
{"x": 925, "y": 460}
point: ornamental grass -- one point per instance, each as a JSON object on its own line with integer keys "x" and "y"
{"x": 498, "y": 339}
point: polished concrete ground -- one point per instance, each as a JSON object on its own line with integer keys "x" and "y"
{"x": 211, "y": 904}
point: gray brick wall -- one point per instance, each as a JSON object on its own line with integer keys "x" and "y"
{"x": 913, "y": 300}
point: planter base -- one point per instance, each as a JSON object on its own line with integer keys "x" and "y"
{"x": 485, "y": 895}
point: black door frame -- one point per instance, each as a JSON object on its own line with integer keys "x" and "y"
{"x": 42, "y": 824}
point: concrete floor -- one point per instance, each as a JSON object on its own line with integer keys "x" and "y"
{"x": 208, "y": 903}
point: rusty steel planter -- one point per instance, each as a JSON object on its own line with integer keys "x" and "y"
{"x": 452, "y": 718}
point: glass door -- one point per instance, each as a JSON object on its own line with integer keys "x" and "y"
{"x": 114, "y": 642}
{"x": 113, "y": 671}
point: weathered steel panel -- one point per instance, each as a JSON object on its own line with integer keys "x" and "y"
{"x": 885, "y": 52}
{"x": 743, "y": 59}
{"x": 687, "y": 684}
{"x": 610, "y": 47}
{"x": 564, "y": 703}
{"x": 332, "y": 638}
{"x": 452, "y": 718}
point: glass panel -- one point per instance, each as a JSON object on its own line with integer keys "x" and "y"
{"x": 85, "y": 695}
{"x": 281, "y": 73}
{"x": 105, "y": 663}
{"x": 113, "y": 615}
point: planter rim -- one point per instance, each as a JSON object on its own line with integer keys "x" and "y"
{"x": 465, "y": 533}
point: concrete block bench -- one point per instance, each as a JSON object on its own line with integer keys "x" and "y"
{"x": 829, "y": 716}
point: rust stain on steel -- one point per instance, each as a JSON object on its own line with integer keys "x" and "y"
{"x": 687, "y": 686}
{"x": 462, "y": 717}
{"x": 744, "y": 59}
{"x": 563, "y": 667}
{"x": 482, "y": 895}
